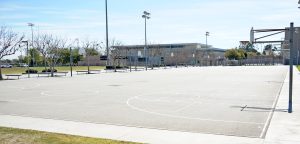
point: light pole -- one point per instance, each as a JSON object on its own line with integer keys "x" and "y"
{"x": 107, "y": 47}
{"x": 297, "y": 46}
{"x": 28, "y": 72}
{"x": 291, "y": 45}
{"x": 206, "y": 35}
{"x": 32, "y": 25}
{"x": 146, "y": 16}
{"x": 71, "y": 61}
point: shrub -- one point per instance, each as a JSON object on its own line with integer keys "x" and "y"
{"x": 117, "y": 67}
{"x": 31, "y": 71}
{"x": 110, "y": 67}
{"x": 49, "y": 70}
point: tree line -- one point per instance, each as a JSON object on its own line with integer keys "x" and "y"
{"x": 45, "y": 50}
{"x": 249, "y": 51}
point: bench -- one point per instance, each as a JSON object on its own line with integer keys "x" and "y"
{"x": 116, "y": 70}
{"x": 88, "y": 72}
{"x": 64, "y": 73}
{"x": 38, "y": 74}
{"x": 43, "y": 73}
{"x": 98, "y": 71}
{"x": 13, "y": 75}
{"x": 47, "y": 73}
{"x": 82, "y": 71}
{"x": 138, "y": 68}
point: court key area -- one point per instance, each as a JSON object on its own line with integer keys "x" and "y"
{"x": 233, "y": 101}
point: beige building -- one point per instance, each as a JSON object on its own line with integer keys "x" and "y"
{"x": 167, "y": 54}
{"x": 92, "y": 61}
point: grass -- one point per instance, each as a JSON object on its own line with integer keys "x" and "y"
{"x": 20, "y": 136}
{"x": 298, "y": 67}
{"x": 19, "y": 70}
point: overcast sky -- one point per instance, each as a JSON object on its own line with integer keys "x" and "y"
{"x": 172, "y": 21}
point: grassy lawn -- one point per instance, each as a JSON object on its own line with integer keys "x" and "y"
{"x": 298, "y": 67}
{"x": 19, "y": 136}
{"x": 19, "y": 70}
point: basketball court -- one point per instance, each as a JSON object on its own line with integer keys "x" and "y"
{"x": 235, "y": 101}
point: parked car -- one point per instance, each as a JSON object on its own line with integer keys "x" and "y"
{"x": 23, "y": 65}
{"x": 6, "y": 66}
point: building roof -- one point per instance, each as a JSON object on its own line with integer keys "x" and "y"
{"x": 175, "y": 45}
{"x": 213, "y": 49}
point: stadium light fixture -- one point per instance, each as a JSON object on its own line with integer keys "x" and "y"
{"x": 206, "y": 35}
{"x": 146, "y": 15}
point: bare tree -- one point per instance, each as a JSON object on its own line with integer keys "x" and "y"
{"x": 90, "y": 49}
{"x": 53, "y": 46}
{"x": 116, "y": 53}
{"x": 42, "y": 46}
{"x": 9, "y": 43}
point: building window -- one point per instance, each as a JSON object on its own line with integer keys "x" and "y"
{"x": 140, "y": 54}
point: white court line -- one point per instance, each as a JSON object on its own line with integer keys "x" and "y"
{"x": 206, "y": 100}
{"x": 268, "y": 121}
{"x": 183, "y": 117}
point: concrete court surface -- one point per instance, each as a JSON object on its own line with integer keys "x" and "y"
{"x": 235, "y": 101}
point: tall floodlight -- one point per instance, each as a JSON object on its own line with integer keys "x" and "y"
{"x": 32, "y": 25}
{"x": 206, "y": 35}
{"x": 146, "y": 16}
{"x": 107, "y": 47}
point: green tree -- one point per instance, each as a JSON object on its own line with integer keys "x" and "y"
{"x": 65, "y": 55}
{"x": 76, "y": 56}
{"x": 232, "y": 54}
{"x": 242, "y": 54}
{"x": 35, "y": 57}
{"x": 235, "y": 54}
{"x": 251, "y": 54}
{"x": 91, "y": 51}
